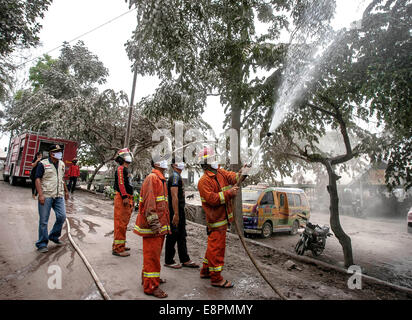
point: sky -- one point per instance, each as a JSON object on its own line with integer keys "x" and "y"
{"x": 67, "y": 19}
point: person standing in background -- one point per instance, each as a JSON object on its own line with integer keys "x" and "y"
{"x": 176, "y": 200}
{"x": 35, "y": 162}
{"x": 123, "y": 203}
{"x": 74, "y": 173}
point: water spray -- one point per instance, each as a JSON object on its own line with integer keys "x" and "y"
{"x": 267, "y": 136}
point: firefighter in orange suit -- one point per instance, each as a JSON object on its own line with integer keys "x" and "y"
{"x": 123, "y": 203}
{"x": 217, "y": 187}
{"x": 153, "y": 223}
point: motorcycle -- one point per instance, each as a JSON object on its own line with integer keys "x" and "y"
{"x": 313, "y": 238}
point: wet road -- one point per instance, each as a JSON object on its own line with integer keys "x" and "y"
{"x": 381, "y": 247}
{"x": 24, "y": 271}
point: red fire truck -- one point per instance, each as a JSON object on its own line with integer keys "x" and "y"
{"x": 24, "y": 147}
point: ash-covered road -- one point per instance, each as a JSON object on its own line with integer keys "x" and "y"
{"x": 24, "y": 271}
{"x": 381, "y": 247}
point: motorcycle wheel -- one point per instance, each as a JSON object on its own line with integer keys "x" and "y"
{"x": 318, "y": 251}
{"x": 300, "y": 247}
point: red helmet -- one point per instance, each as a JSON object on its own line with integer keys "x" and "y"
{"x": 125, "y": 154}
{"x": 206, "y": 153}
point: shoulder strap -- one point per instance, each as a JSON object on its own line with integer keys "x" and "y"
{"x": 121, "y": 180}
{"x": 218, "y": 180}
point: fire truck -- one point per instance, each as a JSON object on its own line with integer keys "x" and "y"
{"x": 22, "y": 150}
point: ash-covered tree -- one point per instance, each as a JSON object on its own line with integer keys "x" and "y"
{"x": 362, "y": 76}
{"x": 384, "y": 52}
{"x": 205, "y": 47}
{"x": 64, "y": 101}
{"x": 18, "y": 23}
{"x": 19, "y": 28}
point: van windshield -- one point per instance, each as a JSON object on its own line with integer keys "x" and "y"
{"x": 249, "y": 195}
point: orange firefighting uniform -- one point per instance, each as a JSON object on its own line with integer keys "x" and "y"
{"x": 153, "y": 214}
{"x": 217, "y": 204}
{"x": 121, "y": 213}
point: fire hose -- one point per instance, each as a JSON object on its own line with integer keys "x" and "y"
{"x": 242, "y": 240}
{"x": 88, "y": 265}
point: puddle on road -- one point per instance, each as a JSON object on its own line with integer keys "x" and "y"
{"x": 91, "y": 225}
{"x": 109, "y": 233}
{"x": 78, "y": 207}
{"x": 54, "y": 254}
{"x": 192, "y": 295}
{"x": 75, "y": 224}
{"x": 92, "y": 294}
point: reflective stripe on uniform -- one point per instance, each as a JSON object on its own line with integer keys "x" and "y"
{"x": 161, "y": 198}
{"x": 227, "y": 187}
{"x": 151, "y": 274}
{"x": 203, "y": 199}
{"x": 149, "y": 231}
{"x": 216, "y": 269}
{"x": 205, "y": 261}
{"x": 217, "y": 224}
{"x": 230, "y": 215}
{"x": 119, "y": 241}
{"x": 222, "y": 197}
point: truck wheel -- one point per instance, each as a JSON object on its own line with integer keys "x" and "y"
{"x": 267, "y": 230}
{"x": 295, "y": 227}
{"x": 13, "y": 180}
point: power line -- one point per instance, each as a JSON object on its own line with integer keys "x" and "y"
{"x": 78, "y": 37}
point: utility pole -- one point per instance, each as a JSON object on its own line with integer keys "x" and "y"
{"x": 131, "y": 102}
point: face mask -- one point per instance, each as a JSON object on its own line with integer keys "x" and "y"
{"x": 215, "y": 166}
{"x": 163, "y": 164}
{"x": 180, "y": 166}
{"x": 128, "y": 159}
{"x": 58, "y": 155}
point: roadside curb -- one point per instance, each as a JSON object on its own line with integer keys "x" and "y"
{"x": 308, "y": 260}
{"x": 86, "y": 190}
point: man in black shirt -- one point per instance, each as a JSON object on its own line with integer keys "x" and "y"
{"x": 123, "y": 203}
{"x": 34, "y": 163}
{"x": 176, "y": 199}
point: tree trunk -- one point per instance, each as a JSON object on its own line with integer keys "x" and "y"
{"x": 89, "y": 183}
{"x": 343, "y": 238}
{"x": 237, "y": 202}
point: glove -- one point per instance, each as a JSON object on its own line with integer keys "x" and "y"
{"x": 234, "y": 191}
{"x": 154, "y": 224}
